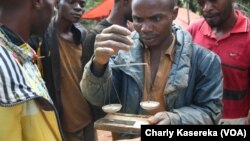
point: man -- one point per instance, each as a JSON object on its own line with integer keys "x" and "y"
{"x": 120, "y": 14}
{"x": 27, "y": 112}
{"x": 226, "y": 32}
{"x": 62, "y": 47}
{"x": 184, "y": 78}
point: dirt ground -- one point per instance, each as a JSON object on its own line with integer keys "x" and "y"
{"x": 104, "y": 135}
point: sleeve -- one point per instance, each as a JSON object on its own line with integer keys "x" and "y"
{"x": 88, "y": 47}
{"x": 95, "y": 88}
{"x": 206, "y": 105}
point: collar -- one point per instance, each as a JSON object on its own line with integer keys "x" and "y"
{"x": 77, "y": 30}
{"x": 242, "y": 25}
{"x": 20, "y": 49}
{"x": 170, "y": 50}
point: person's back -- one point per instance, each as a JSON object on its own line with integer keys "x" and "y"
{"x": 226, "y": 32}
{"x": 62, "y": 47}
{"x": 27, "y": 112}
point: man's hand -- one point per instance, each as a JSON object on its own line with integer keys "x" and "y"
{"x": 160, "y": 118}
{"x": 110, "y": 41}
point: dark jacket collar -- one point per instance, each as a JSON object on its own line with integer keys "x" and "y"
{"x": 79, "y": 32}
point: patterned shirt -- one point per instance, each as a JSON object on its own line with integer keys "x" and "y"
{"x": 20, "y": 79}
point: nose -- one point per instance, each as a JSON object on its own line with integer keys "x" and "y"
{"x": 78, "y": 7}
{"x": 146, "y": 27}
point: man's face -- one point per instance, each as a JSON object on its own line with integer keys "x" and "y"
{"x": 216, "y": 12}
{"x": 71, "y": 10}
{"x": 43, "y": 16}
{"x": 152, "y": 19}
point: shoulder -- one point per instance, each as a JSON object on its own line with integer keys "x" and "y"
{"x": 196, "y": 25}
{"x": 81, "y": 28}
{"x": 205, "y": 56}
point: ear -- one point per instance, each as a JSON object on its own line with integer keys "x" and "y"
{"x": 37, "y": 3}
{"x": 175, "y": 12}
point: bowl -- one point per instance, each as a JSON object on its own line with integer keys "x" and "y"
{"x": 149, "y": 105}
{"x": 112, "y": 108}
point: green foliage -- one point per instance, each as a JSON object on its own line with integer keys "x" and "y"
{"x": 191, "y": 4}
{"x": 90, "y": 4}
{"x": 244, "y": 6}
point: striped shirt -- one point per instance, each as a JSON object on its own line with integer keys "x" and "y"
{"x": 20, "y": 79}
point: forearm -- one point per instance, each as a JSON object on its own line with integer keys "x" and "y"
{"x": 93, "y": 87}
{"x": 97, "y": 68}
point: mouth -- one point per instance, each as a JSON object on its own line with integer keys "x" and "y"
{"x": 146, "y": 37}
{"x": 148, "y": 40}
{"x": 210, "y": 16}
{"x": 77, "y": 15}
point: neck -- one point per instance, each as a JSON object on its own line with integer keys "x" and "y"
{"x": 62, "y": 26}
{"x": 20, "y": 25}
{"x": 117, "y": 17}
{"x": 164, "y": 45}
{"x": 227, "y": 25}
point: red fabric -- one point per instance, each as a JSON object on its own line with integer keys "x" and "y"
{"x": 100, "y": 11}
{"x": 182, "y": 17}
{"x": 234, "y": 51}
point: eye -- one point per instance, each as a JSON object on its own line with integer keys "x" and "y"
{"x": 137, "y": 19}
{"x": 156, "y": 18}
{"x": 71, "y": 2}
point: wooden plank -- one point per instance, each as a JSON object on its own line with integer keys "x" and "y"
{"x": 121, "y": 123}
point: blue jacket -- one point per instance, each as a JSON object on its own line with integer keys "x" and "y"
{"x": 193, "y": 92}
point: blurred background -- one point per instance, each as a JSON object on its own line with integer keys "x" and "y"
{"x": 99, "y": 9}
